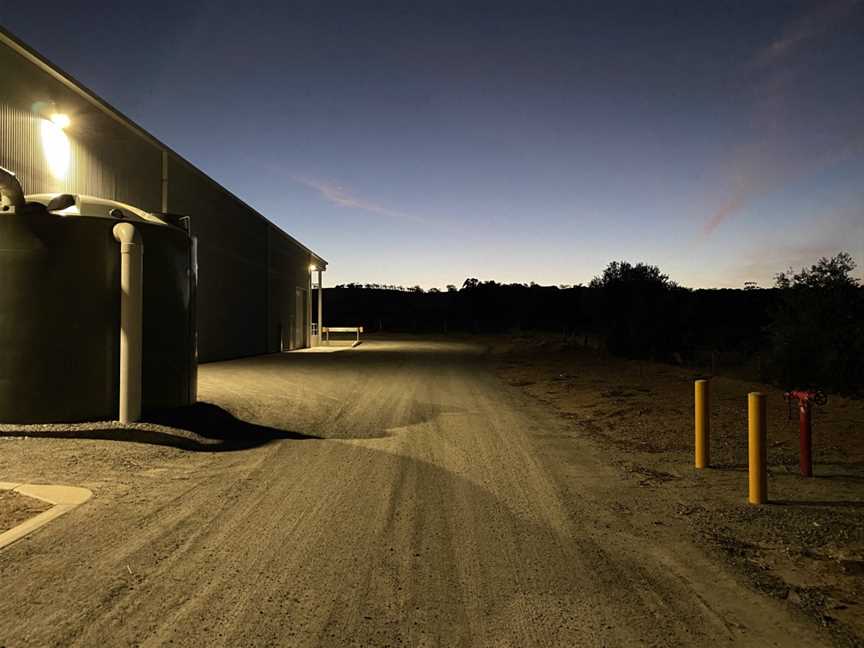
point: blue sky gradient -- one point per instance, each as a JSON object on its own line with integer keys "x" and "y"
{"x": 534, "y": 142}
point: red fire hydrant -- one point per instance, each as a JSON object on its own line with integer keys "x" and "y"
{"x": 806, "y": 400}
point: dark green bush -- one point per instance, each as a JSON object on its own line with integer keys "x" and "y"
{"x": 817, "y": 332}
{"x": 639, "y": 310}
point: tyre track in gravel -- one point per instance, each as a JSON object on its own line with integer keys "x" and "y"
{"x": 430, "y": 513}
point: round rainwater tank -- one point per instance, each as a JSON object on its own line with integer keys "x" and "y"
{"x": 60, "y": 316}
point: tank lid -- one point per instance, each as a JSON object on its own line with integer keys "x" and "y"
{"x": 95, "y": 206}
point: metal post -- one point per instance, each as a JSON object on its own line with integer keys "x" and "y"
{"x": 806, "y": 400}
{"x": 131, "y": 313}
{"x": 309, "y": 311}
{"x": 702, "y": 394}
{"x": 756, "y": 452}
{"x": 320, "y": 304}
{"x": 805, "y": 437}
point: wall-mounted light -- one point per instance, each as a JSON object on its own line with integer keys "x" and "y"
{"x": 313, "y": 268}
{"x": 55, "y": 145}
{"x": 60, "y": 120}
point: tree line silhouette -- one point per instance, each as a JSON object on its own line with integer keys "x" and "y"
{"x": 805, "y": 331}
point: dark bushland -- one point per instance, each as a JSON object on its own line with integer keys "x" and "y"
{"x": 640, "y": 312}
{"x": 817, "y": 326}
{"x": 805, "y": 331}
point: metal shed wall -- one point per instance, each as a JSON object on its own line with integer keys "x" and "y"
{"x": 104, "y": 159}
{"x": 232, "y": 266}
{"x": 249, "y": 270}
{"x": 288, "y": 269}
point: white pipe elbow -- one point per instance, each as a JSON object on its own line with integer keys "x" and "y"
{"x": 126, "y": 235}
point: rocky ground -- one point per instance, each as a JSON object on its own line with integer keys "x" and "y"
{"x": 806, "y": 546}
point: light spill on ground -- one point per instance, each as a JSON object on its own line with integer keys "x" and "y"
{"x": 438, "y": 507}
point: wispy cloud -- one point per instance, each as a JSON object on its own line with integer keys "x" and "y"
{"x": 338, "y": 195}
{"x": 755, "y": 184}
{"x": 778, "y": 160}
{"x": 730, "y": 207}
{"x": 806, "y": 28}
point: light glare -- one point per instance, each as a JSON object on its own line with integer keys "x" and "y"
{"x": 55, "y": 145}
{"x": 60, "y": 120}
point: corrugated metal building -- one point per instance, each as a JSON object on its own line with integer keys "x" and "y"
{"x": 254, "y": 282}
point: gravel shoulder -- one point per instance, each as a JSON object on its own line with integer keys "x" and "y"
{"x": 396, "y": 494}
{"x": 805, "y": 548}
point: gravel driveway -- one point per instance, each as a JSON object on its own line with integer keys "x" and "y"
{"x": 396, "y": 494}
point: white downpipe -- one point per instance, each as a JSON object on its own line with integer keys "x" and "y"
{"x": 131, "y": 314}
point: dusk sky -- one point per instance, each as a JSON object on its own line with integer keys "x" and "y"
{"x": 423, "y": 143}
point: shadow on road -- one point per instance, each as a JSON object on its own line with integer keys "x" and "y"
{"x": 221, "y": 427}
{"x": 837, "y": 503}
{"x": 202, "y": 427}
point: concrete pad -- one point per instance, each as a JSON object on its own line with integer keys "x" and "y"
{"x": 322, "y": 349}
{"x": 64, "y": 499}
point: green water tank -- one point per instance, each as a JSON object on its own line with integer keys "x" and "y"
{"x": 60, "y": 313}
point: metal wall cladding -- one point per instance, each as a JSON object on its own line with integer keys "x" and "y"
{"x": 103, "y": 158}
{"x": 60, "y": 318}
{"x": 289, "y": 279}
{"x": 232, "y": 265}
{"x": 249, "y": 270}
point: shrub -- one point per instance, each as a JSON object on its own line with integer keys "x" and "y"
{"x": 638, "y": 310}
{"x": 817, "y": 334}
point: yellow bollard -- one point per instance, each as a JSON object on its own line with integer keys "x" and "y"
{"x": 758, "y": 426}
{"x": 703, "y": 429}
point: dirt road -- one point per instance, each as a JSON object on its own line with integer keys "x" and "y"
{"x": 397, "y": 494}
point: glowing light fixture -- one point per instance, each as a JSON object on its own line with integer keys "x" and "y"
{"x": 60, "y": 120}
{"x": 313, "y": 268}
{"x": 55, "y": 146}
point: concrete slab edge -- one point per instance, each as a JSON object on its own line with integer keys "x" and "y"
{"x": 63, "y": 498}
{"x": 322, "y": 349}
